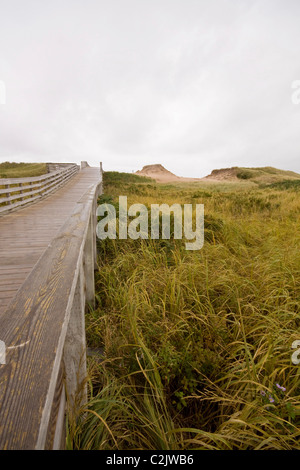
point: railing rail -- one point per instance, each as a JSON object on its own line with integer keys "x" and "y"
{"x": 17, "y": 192}
{"x": 44, "y": 334}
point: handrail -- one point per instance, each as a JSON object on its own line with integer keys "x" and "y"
{"x": 44, "y": 334}
{"x": 15, "y": 194}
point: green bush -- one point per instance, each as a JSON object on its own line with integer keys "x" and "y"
{"x": 245, "y": 174}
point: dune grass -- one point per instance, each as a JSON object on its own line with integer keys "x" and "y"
{"x": 197, "y": 344}
{"x": 264, "y": 175}
{"x": 21, "y": 170}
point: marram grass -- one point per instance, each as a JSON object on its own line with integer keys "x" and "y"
{"x": 197, "y": 345}
{"x": 22, "y": 170}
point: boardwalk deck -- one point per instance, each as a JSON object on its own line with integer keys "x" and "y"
{"x": 26, "y": 233}
{"x": 47, "y": 262}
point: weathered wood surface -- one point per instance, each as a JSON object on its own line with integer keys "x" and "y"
{"x": 46, "y": 257}
{"x": 25, "y": 234}
{"x": 19, "y": 192}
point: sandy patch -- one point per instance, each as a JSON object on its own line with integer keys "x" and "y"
{"x": 160, "y": 174}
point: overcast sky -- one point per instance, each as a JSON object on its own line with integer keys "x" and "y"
{"x": 192, "y": 84}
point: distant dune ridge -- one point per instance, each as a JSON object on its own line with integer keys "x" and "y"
{"x": 159, "y": 173}
{"x": 264, "y": 174}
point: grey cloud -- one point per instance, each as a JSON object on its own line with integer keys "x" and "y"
{"x": 132, "y": 82}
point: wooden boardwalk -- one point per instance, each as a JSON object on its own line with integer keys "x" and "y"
{"x": 27, "y": 233}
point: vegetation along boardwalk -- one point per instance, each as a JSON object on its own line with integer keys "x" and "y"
{"x": 47, "y": 259}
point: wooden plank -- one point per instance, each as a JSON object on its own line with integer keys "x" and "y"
{"x": 38, "y": 319}
{"x": 45, "y": 189}
{"x": 17, "y": 188}
{"x": 89, "y": 262}
{"x": 75, "y": 349}
{"x": 8, "y": 290}
{"x": 18, "y": 204}
{"x": 55, "y": 430}
{"x": 33, "y": 316}
{"x": 33, "y": 227}
{"x": 29, "y": 179}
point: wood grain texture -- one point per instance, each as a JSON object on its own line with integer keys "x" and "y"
{"x": 25, "y": 234}
{"x": 42, "y": 247}
{"x": 47, "y": 184}
{"x": 55, "y": 410}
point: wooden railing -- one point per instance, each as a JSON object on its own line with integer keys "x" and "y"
{"x": 16, "y": 192}
{"x": 44, "y": 334}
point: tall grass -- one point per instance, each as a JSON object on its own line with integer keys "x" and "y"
{"x": 197, "y": 344}
{"x": 21, "y": 170}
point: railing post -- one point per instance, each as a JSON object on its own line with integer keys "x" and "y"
{"x": 43, "y": 185}
{"x": 7, "y": 194}
{"x": 89, "y": 261}
{"x": 75, "y": 350}
{"x": 94, "y": 224}
{"x": 21, "y": 192}
{"x": 46, "y": 374}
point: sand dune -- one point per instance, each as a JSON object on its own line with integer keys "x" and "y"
{"x": 229, "y": 175}
{"x": 160, "y": 174}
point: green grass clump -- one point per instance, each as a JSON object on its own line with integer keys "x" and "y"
{"x": 265, "y": 175}
{"x": 245, "y": 174}
{"x": 117, "y": 177}
{"x": 293, "y": 185}
{"x": 197, "y": 343}
{"x": 22, "y": 170}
